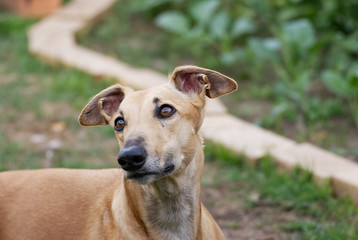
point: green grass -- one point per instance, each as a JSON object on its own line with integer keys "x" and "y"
{"x": 25, "y": 85}
{"x": 54, "y": 83}
{"x": 321, "y": 216}
{"x": 11, "y": 159}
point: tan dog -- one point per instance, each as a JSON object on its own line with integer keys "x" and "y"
{"x": 156, "y": 195}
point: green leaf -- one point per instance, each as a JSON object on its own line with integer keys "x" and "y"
{"x": 295, "y": 11}
{"x": 299, "y": 34}
{"x": 286, "y": 90}
{"x": 272, "y": 44}
{"x": 261, "y": 52}
{"x": 229, "y": 58}
{"x": 219, "y": 25}
{"x": 173, "y": 21}
{"x": 196, "y": 34}
{"x": 147, "y": 5}
{"x": 336, "y": 83}
{"x": 203, "y": 11}
{"x": 303, "y": 80}
{"x": 353, "y": 75}
{"x": 353, "y": 82}
{"x": 350, "y": 43}
{"x": 242, "y": 26}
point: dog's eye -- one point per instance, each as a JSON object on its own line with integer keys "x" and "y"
{"x": 119, "y": 124}
{"x": 166, "y": 111}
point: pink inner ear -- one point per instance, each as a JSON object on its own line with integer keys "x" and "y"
{"x": 111, "y": 103}
{"x": 191, "y": 83}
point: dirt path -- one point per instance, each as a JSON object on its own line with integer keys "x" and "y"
{"x": 226, "y": 203}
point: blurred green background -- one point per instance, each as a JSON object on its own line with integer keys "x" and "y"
{"x": 296, "y": 61}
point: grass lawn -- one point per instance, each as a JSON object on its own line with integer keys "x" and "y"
{"x": 40, "y": 105}
{"x": 38, "y": 128}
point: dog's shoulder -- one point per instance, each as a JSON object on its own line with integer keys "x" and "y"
{"x": 209, "y": 228}
{"x": 48, "y": 182}
{"x": 55, "y": 201}
{"x": 12, "y": 178}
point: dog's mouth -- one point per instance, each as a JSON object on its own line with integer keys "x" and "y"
{"x": 137, "y": 175}
{"x": 169, "y": 169}
{"x": 140, "y": 175}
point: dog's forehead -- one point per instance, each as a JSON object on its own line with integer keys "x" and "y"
{"x": 160, "y": 94}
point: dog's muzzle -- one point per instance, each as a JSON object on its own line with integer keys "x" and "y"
{"x": 132, "y": 158}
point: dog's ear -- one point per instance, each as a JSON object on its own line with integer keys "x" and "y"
{"x": 101, "y": 107}
{"x": 194, "y": 80}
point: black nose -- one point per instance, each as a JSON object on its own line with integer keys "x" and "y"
{"x": 132, "y": 158}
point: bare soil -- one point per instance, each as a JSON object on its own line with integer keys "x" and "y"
{"x": 238, "y": 221}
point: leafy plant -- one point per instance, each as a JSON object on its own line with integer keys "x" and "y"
{"x": 290, "y": 52}
{"x": 209, "y": 23}
{"x": 345, "y": 85}
{"x": 173, "y": 21}
{"x": 285, "y": 46}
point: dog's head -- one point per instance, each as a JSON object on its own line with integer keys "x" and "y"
{"x": 157, "y": 128}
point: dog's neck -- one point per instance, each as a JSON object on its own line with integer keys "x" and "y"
{"x": 170, "y": 207}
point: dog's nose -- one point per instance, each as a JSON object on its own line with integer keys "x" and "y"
{"x": 132, "y": 158}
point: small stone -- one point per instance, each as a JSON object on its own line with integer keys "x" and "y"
{"x": 254, "y": 197}
{"x": 54, "y": 144}
{"x": 58, "y": 127}
{"x": 38, "y": 138}
{"x": 49, "y": 154}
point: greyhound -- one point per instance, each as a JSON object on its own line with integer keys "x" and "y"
{"x": 156, "y": 193}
